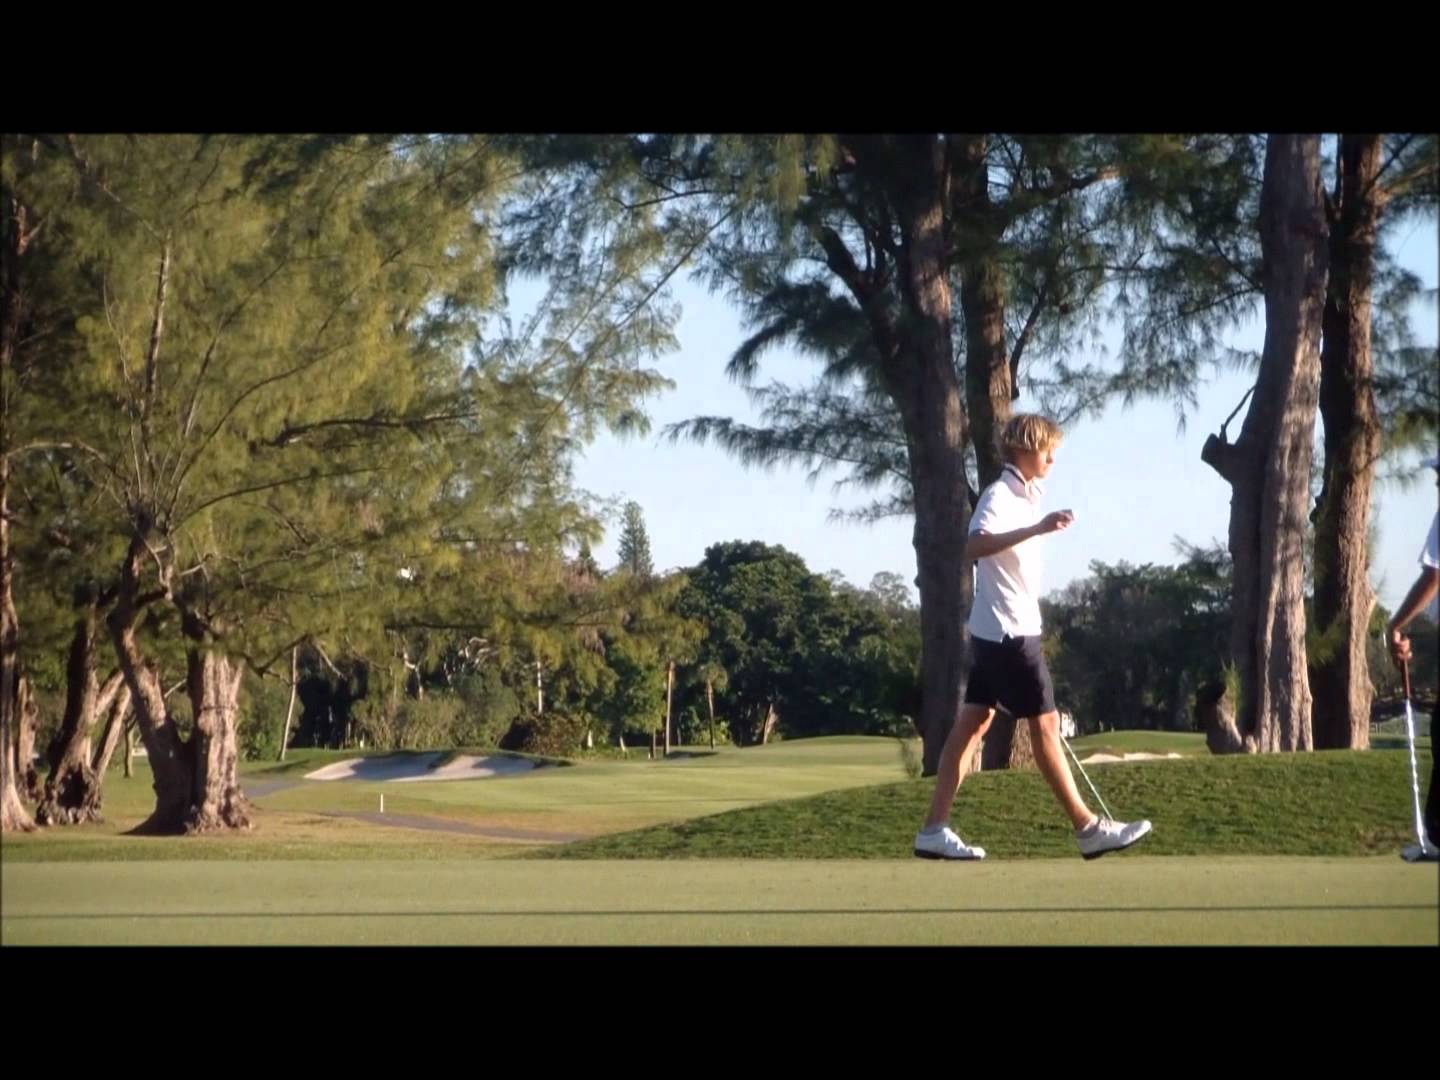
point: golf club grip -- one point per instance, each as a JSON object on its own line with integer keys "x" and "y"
{"x": 1405, "y": 677}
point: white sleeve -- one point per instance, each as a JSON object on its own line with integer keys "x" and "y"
{"x": 1431, "y": 555}
{"x": 989, "y": 512}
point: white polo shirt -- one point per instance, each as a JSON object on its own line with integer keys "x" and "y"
{"x": 1431, "y": 555}
{"x": 1007, "y": 585}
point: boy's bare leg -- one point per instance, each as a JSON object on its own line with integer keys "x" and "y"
{"x": 955, "y": 758}
{"x": 1050, "y": 757}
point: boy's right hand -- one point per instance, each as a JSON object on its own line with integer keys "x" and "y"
{"x": 1056, "y": 521}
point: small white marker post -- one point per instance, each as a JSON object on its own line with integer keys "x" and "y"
{"x": 382, "y": 802}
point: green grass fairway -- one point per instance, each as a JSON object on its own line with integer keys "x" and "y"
{"x": 806, "y": 842}
{"x": 590, "y": 799}
{"x": 1128, "y": 901}
{"x": 1340, "y": 803}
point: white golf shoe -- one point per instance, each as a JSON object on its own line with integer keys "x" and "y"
{"x": 1109, "y": 836}
{"x": 944, "y": 844}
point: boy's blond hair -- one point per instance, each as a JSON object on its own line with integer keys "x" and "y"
{"x": 1028, "y": 431}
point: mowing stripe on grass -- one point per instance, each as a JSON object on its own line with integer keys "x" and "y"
{"x": 1143, "y": 900}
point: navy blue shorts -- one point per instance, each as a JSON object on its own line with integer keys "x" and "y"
{"x": 1011, "y": 673}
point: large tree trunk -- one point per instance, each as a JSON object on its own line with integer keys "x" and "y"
{"x": 79, "y": 796}
{"x": 14, "y": 816}
{"x": 196, "y": 781}
{"x": 216, "y": 799}
{"x": 168, "y": 754}
{"x": 18, "y": 712}
{"x": 1006, "y": 745}
{"x": 989, "y": 389}
{"x": 921, "y": 379}
{"x": 28, "y": 712}
{"x": 1339, "y": 675}
{"x": 72, "y": 789}
{"x": 1215, "y": 716}
{"x": 989, "y": 386}
{"x": 918, "y": 371}
{"x": 1268, "y": 467}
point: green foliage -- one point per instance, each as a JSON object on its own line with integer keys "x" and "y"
{"x": 280, "y": 364}
{"x": 1128, "y": 646}
{"x": 262, "y": 718}
{"x": 489, "y": 707}
{"x": 551, "y": 734}
{"x": 827, "y": 661}
{"x": 635, "y": 543}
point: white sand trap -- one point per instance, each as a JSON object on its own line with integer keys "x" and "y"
{"x": 412, "y": 767}
{"x": 475, "y": 767}
{"x": 1101, "y": 759}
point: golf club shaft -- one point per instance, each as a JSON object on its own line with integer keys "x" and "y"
{"x": 1414, "y": 769}
{"x": 1087, "y": 778}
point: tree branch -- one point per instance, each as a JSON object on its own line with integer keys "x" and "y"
{"x": 274, "y": 484}
{"x": 291, "y": 433}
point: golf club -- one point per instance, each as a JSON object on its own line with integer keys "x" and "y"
{"x": 1092, "y": 786}
{"x": 1418, "y": 852}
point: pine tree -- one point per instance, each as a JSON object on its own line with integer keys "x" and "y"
{"x": 635, "y": 543}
